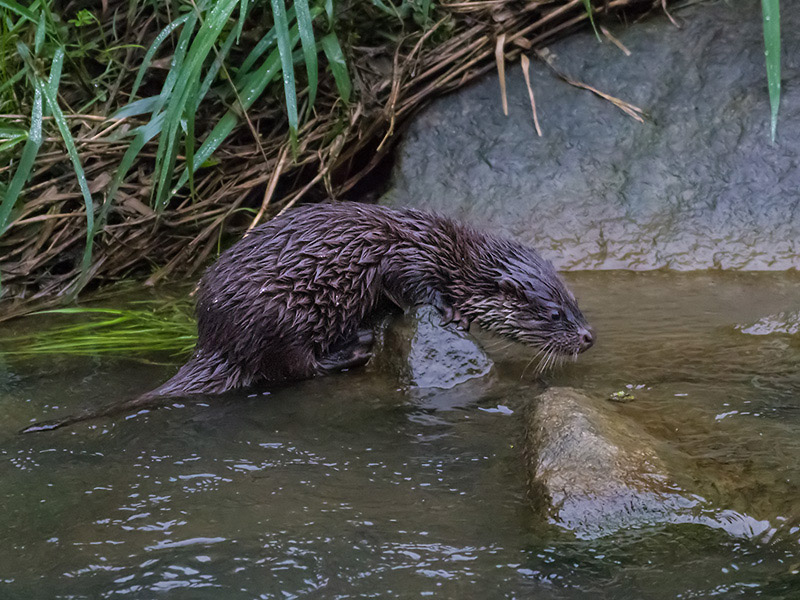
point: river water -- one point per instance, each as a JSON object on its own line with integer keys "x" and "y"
{"x": 352, "y": 487}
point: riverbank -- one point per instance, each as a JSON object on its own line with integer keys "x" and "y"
{"x": 119, "y": 129}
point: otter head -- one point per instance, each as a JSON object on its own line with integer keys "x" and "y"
{"x": 531, "y": 304}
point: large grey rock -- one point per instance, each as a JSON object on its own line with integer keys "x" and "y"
{"x": 593, "y": 472}
{"x": 698, "y": 185}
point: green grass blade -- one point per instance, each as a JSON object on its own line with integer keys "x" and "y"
{"x": 142, "y": 106}
{"x": 391, "y": 9}
{"x": 180, "y": 103}
{"x": 17, "y": 8}
{"x": 309, "y": 47}
{"x": 151, "y": 51}
{"x": 41, "y": 29}
{"x": 178, "y": 56}
{"x": 213, "y": 70}
{"x": 335, "y": 56}
{"x": 11, "y": 81}
{"x": 74, "y": 310}
{"x": 55, "y": 72}
{"x": 25, "y": 165}
{"x": 9, "y": 143}
{"x": 287, "y": 64}
{"x": 48, "y": 90}
{"x": 189, "y": 140}
{"x": 13, "y": 133}
{"x": 253, "y": 86}
{"x": 426, "y": 7}
{"x": 243, "y": 8}
{"x": 587, "y": 4}
{"x": 143, "y": 135}
{"x": 772, "y": 51}
{"x": 264, "y": 44}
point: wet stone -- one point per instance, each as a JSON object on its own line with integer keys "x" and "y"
{"x": 592, "y": 471}
{"x": 697, "y": 185}
{"x": 429, "y": 356}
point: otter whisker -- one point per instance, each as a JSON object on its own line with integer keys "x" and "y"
{"x": 498, "y": 345}
{"x": 553, "y": 359}
{"x": 558, "y": 359}
{"x": 533, "y": 358}
{"x": 530, "y": 362}
{"x": 547, "y": 361}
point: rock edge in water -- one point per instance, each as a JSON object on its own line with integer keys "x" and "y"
{"x": 593, "y": 472}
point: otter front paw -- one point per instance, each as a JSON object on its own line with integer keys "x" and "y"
{"x": 450, "y": 314}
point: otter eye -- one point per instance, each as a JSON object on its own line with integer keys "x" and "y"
{"x": 556, "y": 315}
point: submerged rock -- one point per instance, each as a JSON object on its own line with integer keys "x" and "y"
{"x": 593, "y": 472}
{"x": 698, "y": 185}
{"x": 590, "y": 471}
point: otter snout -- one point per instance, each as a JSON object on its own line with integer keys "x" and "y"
{"x": 586, "y": 335}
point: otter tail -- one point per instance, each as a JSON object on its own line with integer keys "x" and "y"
{"x": 146, "y": 401}
{"x": 200, "y": 375}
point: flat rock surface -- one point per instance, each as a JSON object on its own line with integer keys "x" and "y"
{"x": 697, "y": 185}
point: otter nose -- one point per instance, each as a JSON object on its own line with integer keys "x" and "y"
{"x": 587, "y": 338}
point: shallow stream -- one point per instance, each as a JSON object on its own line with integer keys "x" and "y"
{"x": 347, "y": 486}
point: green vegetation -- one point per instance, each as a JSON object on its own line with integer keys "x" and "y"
{"x": 772, "y": 52}
{"x": 208, "y": 32}
{"x": 144, "y": 328}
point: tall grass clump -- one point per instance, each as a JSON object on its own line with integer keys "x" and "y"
{"x": 203, "y": 36}
{"x": 138, "y": 137}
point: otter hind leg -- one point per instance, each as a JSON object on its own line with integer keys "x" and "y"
{"x": 348, "y": 354}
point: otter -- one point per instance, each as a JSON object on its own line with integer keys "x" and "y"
{"x": 294, "y": 297}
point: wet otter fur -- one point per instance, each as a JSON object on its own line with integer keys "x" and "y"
{"x": 292, "y": 299}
